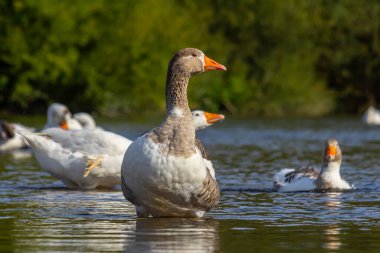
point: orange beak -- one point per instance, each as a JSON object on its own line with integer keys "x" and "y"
{"x": 64, "y": 125}
{"x": 211, "y": 118}
{"x": 213, "y": 65}
{"x": 331, "y": 151}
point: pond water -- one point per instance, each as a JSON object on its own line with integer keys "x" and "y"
{"x": 38, "y": 214}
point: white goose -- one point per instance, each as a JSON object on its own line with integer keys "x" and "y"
{"x": 307, "y": 179}
{"x": 202, "y": 120}
{"x": 163, "y": 172}
{"x": 81, "y": 159}
{"x": 371, "y": 116}
{"x": 58, "y": 115}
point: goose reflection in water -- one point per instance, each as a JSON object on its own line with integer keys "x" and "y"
{"x": 333, "y": 200}
{"x": 173, "y": 235}
{"x": 333, "y": 242}
{"x": 332, "y": 231}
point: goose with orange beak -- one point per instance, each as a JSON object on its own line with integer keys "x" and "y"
{"x": 204, "y": 119}
{"x": 58, "y": 115}
{"x": 307, "y": 179}
{"x": 91, "y": 158}
{"x": 163, "y": 171}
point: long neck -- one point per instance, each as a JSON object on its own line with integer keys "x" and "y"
{"x": 329, "y": 175}
{"x": 330, "y": 168}
{"x": 176, "y": 92}
{"x": 177, "y": 132}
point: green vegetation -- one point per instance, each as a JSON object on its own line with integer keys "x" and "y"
{"x": 283, "y": 57}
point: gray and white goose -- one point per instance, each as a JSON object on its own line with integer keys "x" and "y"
{"x": 309, "y": 178}
{"x": 163, "y": 172}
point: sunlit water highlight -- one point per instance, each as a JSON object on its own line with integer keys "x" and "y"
{"x": 38, "y": 214}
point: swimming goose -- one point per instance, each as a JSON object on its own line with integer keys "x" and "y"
{"x": 81, "y": 159}
{"x": 371, "y": 116}
{"x": 9, "y": 138}
{"x": 163, "y": 172}
{"x": 59, "y": 115}
{"x": 307, "y": 179}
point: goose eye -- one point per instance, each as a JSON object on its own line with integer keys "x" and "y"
{"x": 197, "y": 114}
{"x": 194, "y": 55}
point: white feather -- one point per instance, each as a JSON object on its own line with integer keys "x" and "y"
{"x": 299, "y": 183}
{"x": 67, "y": 154}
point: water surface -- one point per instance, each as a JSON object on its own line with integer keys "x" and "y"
{"x": 38, "y": 214}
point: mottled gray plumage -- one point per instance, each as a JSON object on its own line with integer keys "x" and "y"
{"x": 201, "y": 148}
{"x": 208, "y": 195}
{"x": 177, "y": 134}
{"x": 301, "y": 172}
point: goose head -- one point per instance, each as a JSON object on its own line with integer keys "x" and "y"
{"x": 332, "y": 152}
{"x": 184, "y": 64}
{"x": 192, "y": 61}
{"x": 204, "y": 119}
{"x": 58, "y": 115}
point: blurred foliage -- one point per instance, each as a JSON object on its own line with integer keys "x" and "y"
{"x": 283, "y": 57}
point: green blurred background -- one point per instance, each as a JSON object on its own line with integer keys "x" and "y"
{"x": 284, "y": 58}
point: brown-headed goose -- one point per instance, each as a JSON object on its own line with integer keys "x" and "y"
{"x": 309, "y": 178}
{"x": 163, "y": 172}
